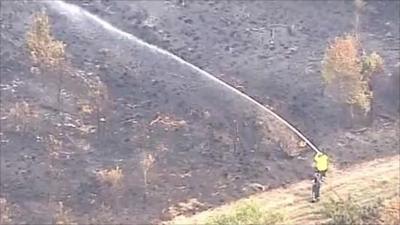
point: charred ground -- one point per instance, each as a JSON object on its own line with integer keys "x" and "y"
{"x": 270, "y": 50}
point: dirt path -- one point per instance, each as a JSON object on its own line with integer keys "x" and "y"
{"x": 378, "y": 178}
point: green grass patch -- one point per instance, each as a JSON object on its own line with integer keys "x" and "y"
{"x": 246, "y": 213}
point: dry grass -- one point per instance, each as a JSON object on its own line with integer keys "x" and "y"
{"x": 54, "y": 145}
{"x": 112, "y": 177}
{"x": 85, "y": 108}
{"x": 97, "y": 102}
{"x": 63, "y": 216}
{"x": 23, "y": 114}
{"x": 168, "y": 121}
{"x": 104, "y": 216}
{"x": 44, "y": 49}
{"x": 347, "y": 72}
{"x": 5, "y": 214}
{"x": 391, "y": 213}
{"x": 189, "y": 206}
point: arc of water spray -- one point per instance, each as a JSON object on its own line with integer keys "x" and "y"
{"x": 60, "y": 5}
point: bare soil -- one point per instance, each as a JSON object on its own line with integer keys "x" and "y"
{"x": 270, "y": 50}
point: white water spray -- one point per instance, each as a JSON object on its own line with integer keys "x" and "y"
{"x": 77, "y": 11}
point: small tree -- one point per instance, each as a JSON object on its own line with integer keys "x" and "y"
{"x": 147, "y": 162}
{"x": 98, "y": 93}
{"x": 359, "y": 4}
{"x": 53, "y": 146}
{"x": 44, "y": 49}
{"x": 347, "y": 71}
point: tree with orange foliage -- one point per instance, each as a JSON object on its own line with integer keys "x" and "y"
{"x": 347, "y": 71}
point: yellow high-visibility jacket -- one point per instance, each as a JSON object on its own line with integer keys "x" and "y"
{"x": 321, "y": 162}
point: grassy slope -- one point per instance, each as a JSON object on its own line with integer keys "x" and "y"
{"x": 371, "y": 179}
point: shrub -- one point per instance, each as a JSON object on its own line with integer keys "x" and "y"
{"x": 350, "y": 212}
{"x": 23, "y": 114}
{"x": 246, "y": 213}
{"x": 111, "y": 176}
{"x": 43, "y": 47}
